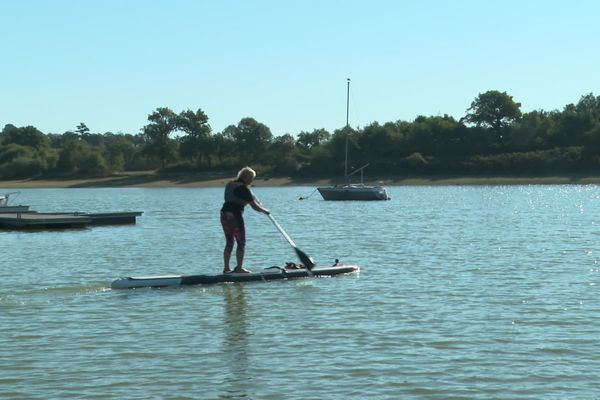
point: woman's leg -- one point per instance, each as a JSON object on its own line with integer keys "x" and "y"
{"x": 240, "y": 238}
{"x": 229, "y": 225}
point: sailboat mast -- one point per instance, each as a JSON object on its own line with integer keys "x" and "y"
{"x": 347, "y": 113}
{"x": 347, "y": 101}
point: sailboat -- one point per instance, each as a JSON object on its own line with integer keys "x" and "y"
{"x": 352, "y": 191}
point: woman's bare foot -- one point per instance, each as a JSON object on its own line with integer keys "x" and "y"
{"x": 239, "y": 270}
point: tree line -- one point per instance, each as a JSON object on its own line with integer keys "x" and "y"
{"x": 494, "y": 137}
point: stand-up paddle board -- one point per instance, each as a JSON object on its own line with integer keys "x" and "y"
{"x": 268, "y": 274}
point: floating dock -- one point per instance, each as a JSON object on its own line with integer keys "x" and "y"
{"x": 37, "y": 220}
{"x": 12, "y": 209}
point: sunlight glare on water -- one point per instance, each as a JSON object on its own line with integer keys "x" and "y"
{"x": 464, "y": 292}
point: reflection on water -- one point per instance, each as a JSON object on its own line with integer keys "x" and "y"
{"x": 235, "y": 339}
{"x": 464, "y": 292}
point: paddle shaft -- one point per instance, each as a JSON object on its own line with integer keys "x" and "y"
{"x": 305, "y": 258}
{"x": 284, "y": 233}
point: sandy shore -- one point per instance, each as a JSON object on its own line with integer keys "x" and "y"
{"x": 149, "y": 179}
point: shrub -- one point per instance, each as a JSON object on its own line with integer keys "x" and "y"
{"x": 22, "y": 167}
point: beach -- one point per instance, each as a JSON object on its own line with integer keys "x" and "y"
{"x": 217, "y": 179}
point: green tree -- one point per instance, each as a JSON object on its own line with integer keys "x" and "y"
{"x": 282, "y": 155}
{"x": 25, "y": 152}
{"x": 283, "y": 145}
{"x": 163, "y": 121}
{"x": 321, "y": 162}
{"x": 22, "y": 167}
{"x": 196, "y": 143}
{"x": 224, "y": 147}
{"x": 495, "y": 110}
{"x": 589, "y": 103}
{"x": 9, "y": 152}
{"x": 25, "y": 136}
{"x": 119, "y": 151}
{"x": 342, "y": 139}
{"x": 82, "y": 129}
{"x": 435, "y": 136}
{"x": 532, "y": 131}
{"x": 308, "y": 140}
{"x": 252, "y": 139}
{"x": 575, "y": 120}
{"x": 78, "y": 158}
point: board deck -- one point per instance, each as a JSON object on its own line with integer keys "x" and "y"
{"x": 268, "y": 274}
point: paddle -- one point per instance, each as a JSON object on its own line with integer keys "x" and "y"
{"x": 304, "y": 258}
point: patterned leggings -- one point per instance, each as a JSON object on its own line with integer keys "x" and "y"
{"x": 234, "y": 231}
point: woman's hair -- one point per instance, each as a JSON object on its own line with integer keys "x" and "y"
{"x": 246, "y": 173}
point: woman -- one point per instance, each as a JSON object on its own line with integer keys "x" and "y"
{"x": 237, "y": 196}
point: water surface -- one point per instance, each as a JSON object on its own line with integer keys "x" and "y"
{"x": 464, "y": 293}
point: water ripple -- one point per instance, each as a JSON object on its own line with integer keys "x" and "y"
{"x": 464, "y": 293}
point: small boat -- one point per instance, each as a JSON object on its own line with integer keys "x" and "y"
{"x": 5, "y": 208}
{"x": 352, "y": 191}
{"x": 291, "y": 271}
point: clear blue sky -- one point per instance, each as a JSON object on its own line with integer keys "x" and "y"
{"x": 110, "y": 63}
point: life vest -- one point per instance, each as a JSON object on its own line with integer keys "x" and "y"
{"x": 230, "y": 196}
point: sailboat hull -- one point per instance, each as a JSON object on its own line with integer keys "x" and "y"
{"x": 354, "y": 192}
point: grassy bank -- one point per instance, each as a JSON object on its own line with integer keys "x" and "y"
{"x": 151, "y": 179}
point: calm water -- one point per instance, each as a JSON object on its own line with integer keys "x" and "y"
{"x": 464, "y": 293}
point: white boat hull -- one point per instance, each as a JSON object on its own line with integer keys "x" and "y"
{"x": 354, "y": 192}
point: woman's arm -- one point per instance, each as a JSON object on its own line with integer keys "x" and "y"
{"x": 258, "y": 207}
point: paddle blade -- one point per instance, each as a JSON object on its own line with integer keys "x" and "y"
{"x": 305, "y": 259}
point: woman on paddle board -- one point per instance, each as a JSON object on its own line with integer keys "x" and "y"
{"x": 237, "y": 196}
